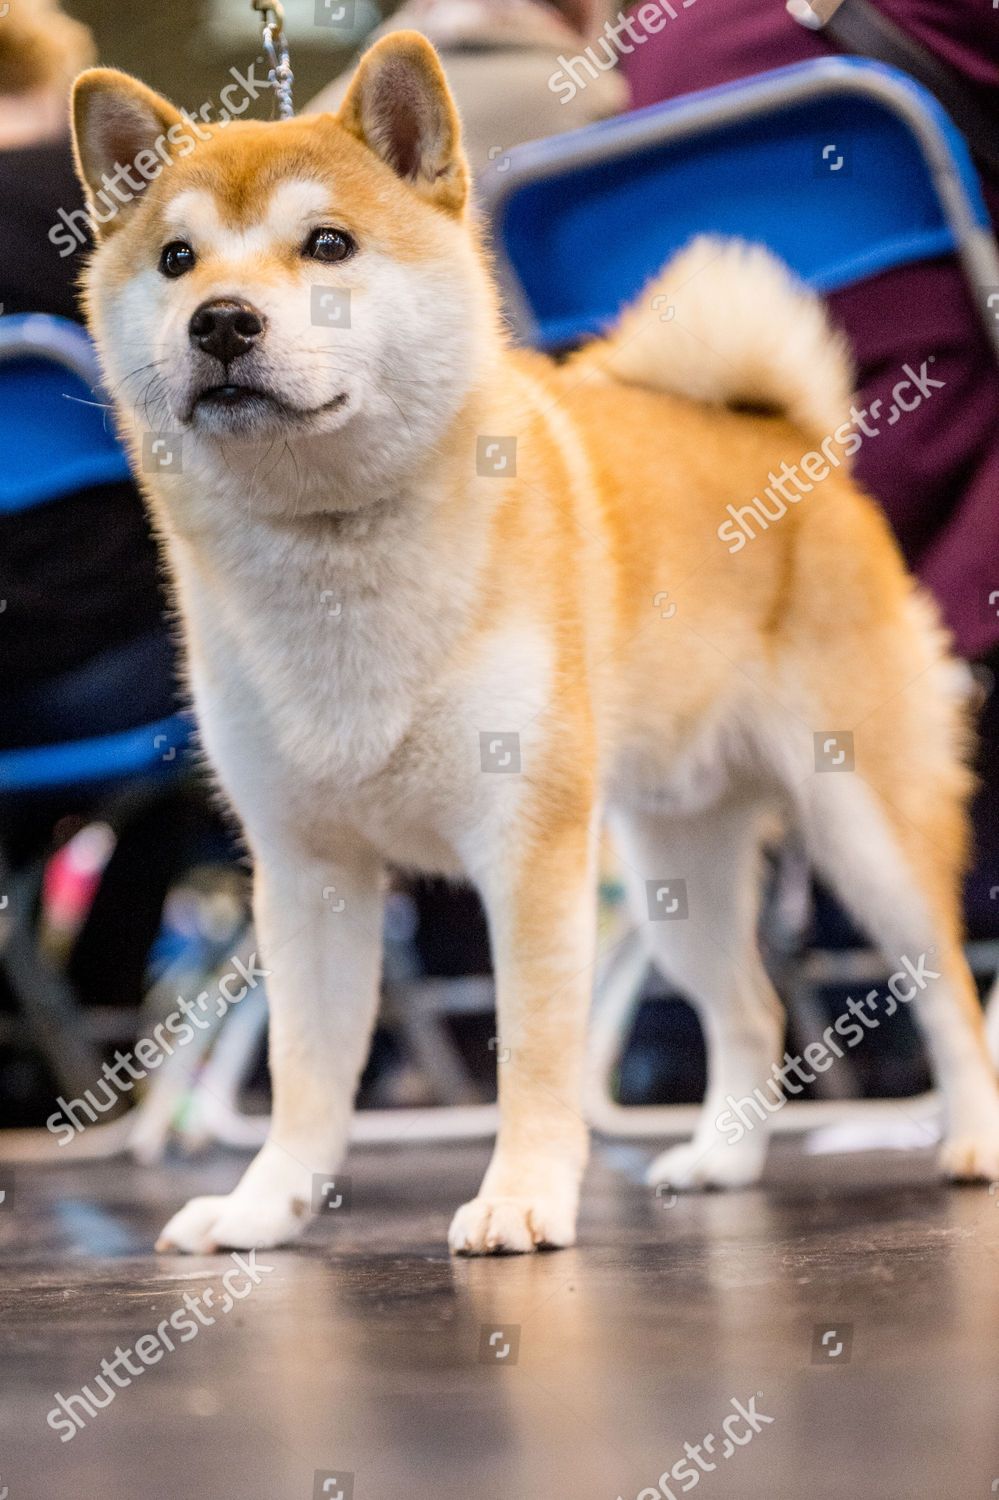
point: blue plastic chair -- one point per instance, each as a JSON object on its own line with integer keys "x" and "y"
{"x": 843, "y": 167}
{"x": 55, "y": 443}
{"x": 56, "y": 440}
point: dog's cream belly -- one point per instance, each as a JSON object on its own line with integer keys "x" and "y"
{"x": 642, "y": 783}
{"x": 741, "y": 746}
{"x": 660, "y": 768}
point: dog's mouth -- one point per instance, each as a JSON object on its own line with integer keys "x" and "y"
{"x": 244, "y": 406}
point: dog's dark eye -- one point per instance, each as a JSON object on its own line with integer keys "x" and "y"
{"x": 176, "y": 258}
{"x": 328, "y": 245}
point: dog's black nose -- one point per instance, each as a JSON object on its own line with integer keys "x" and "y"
{"x": 225, "y": 328}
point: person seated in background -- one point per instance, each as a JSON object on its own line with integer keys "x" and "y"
{"x": 937, "y": 472}
{"x": 80, "y": 576}
{"x": 500, "y": 56}
{"x": 41, "y": 51}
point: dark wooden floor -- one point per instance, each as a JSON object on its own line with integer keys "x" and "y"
{"x": 855, "y": 1301}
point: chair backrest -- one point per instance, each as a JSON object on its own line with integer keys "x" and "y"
{"x": 55, "y": 433}
{"x": 842, "y": 166}
{"x": 56, "y": 439}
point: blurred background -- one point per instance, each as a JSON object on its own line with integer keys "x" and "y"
{"x": 184, "y": 48}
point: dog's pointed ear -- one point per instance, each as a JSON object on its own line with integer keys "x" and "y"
{"x": 120, "y": 140}
{"x": 400, "y": 106}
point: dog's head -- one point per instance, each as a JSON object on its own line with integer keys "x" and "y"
{"x": 298, "y": 279}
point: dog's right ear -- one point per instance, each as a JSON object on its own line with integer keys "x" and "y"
{"x": 120, "y": 134}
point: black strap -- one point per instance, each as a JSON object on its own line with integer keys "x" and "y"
{"x": 858, "y": 27}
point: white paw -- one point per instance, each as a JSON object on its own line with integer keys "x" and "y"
{"x": 971, "y": 1158}
{"x": 239, "y": 1221}
{"x": 720, "y": 1165}
{"x": 497, "y": 1226}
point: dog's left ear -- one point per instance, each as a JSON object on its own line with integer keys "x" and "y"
{"x": 118, "y": 125}
{"x": 399, "y": 104}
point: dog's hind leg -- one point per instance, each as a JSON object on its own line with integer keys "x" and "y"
{"x": 896, "y": 868}
{"x": 694, "y": 887}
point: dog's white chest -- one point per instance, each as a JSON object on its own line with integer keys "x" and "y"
{"x": 367, "y": 706}
{"x": 320, "y": 684}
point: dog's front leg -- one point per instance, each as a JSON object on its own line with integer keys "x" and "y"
{"x": 541, "y": 903}
{"x": 320, "y": 932}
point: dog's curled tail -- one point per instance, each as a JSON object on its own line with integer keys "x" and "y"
{"x": 726, "y": 322}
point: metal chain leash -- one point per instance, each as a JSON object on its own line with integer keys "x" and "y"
{"x": 276, "y": 49}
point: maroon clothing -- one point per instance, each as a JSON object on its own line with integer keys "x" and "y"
{"x": 716, "y": 41}
{"x": 937, "y": 472}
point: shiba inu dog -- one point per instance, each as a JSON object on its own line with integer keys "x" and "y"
{"x": 449, "y": 607}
